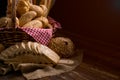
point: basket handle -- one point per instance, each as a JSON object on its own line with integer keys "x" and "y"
{"x": 13, "y": 14}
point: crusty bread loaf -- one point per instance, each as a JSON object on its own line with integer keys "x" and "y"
{"x": 37, "y": 9}
{"x": 29, "y": 52}
{"x": 34, "y": 24}
{"x": 5, "y": 22}
{"x": 63, "y": 46}
{"x": 45, "y": 10}
{"x": 27, "y": 17}
{"x": 23, "y": 6}
{"x": 44, "y": 20}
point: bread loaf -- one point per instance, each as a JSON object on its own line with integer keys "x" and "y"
{"x": 64, "y": 47}
{"x": 45, "y": 10}
{"x": 37, "y": 9}
{"x": 27, "y": 17}
{"x": 34, "y": 24}
{"x": 44, "y": 20}
{"x": 23, "y": 6}
{"x": 5, "y": 22}
{"x": 29, "y": 52}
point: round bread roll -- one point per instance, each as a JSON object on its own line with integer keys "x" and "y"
{"x": 64, "y": 47}
{"x": 44, "y": 20}
{"x": 5, "y": 22}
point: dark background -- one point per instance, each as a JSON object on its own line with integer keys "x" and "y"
{"x": 3, "y": 7}
{"x": 94, "y": 25}
{"x": 99, "y": 19}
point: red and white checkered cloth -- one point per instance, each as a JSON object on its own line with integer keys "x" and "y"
{"x": 56, "y": 25}
{"x": 40, "y": 35}
{"x": 43, "y": 35}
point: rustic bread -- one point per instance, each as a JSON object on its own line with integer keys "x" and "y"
{"x": 63, "y": 46}
{"x": 23, "y": 6}
{"x": 27, "y": 17}
{"x": 34, "y": 24}
{"x": 44, "y": 20}
{"x": 29, "y": 52}
{"x": 39, "y": 10}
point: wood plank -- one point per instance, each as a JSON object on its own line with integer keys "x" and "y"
{"x": 82, "y": 72}
{"x": 106, "y": 52}
{"x": 93, "y": 25}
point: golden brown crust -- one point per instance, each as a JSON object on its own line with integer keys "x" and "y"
{"x": 27, "y": 17}
{"x": 34, "y": 24}
{"x": 44, "y": 20}
{"x": 29, "y": 52}
{"x": 23, "y": 6}
{"x": 37, "y": 9}
{"x": 64, "y": 47}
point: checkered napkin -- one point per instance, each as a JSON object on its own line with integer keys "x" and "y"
{"x": 43, "y": 35}
{"x": 40, "y": 35}
{"x": 56, "y": 25}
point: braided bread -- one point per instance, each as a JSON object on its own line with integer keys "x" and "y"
{"x": 29, "y": 52}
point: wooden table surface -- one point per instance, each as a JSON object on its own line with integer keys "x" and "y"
{"x": 82, "y": 72}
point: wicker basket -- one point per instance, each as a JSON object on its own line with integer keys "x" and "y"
{"x": 9, "y": 36}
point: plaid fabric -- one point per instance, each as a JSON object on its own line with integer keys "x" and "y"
{"x": 56, "y": 25}
{"x": 43, "y": 35}
{"x": 40, "y": 35}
